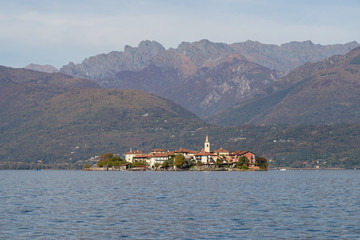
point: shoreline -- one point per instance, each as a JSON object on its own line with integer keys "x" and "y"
{"x": 294, "y": 169}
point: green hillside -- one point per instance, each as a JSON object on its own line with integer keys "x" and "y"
{"x": 43, "y": 120}
{"x": 60, "y": 121}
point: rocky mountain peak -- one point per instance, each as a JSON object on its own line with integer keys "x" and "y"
{"x": 151, "y": 45}
{"x": 203, "y": 53}
{"x": 189, "y": 57}
{"x": 107, "y": 65}
{"x": 146, "y": 47}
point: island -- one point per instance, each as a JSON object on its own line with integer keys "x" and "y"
{"x": 179, "y": 160}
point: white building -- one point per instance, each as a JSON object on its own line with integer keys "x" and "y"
{"x": 129, "y": 156}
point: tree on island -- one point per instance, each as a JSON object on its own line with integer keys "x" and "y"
{"x": 109, "y": 160}
{"x": 243, "y": 162}
{"x": 261, "y": 162}
{"x": 165, "y": 164}
{"x": 179, "y": 161}
{"x": 139, "y": 164}
{"x": 168, "y": 163}
{"x": 219, "y": 162}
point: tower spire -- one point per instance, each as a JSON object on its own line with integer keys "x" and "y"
{"x": 207, "y": 144}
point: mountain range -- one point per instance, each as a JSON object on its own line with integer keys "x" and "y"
{"x": 305, "y": 117}
{"x": 326, "y": 92}
{"x": 203, "y": 76}
{"x": 188, "y": 57}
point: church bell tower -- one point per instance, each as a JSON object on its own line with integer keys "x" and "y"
{"x": 207, "y": 144}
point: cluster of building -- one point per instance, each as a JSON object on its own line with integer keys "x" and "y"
{"x": 205, "y": 156}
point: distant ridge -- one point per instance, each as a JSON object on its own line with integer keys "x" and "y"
{"x": 205, "y": 53}
{"x": 202, "y": 75}
{"x": 42, "y": 68}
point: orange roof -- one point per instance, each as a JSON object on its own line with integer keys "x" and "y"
{"x": 158, "y": 150}
{"x": 182, "y": 151}
{"x": 203, "y": 153}
{"x": 239, "y": 153}
{"x": 221, "y": 150}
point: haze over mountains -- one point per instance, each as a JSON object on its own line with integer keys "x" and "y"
{"x": 204, "y": 77}
{"x": 188, "y": 57}
{"x": 42, "y": 68}
{"x": 311, "y": 112}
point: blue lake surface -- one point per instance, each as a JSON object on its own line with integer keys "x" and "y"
{"x": 180, "y": 205}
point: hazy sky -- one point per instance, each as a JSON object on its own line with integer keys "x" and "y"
{"x": 59, "y": 31}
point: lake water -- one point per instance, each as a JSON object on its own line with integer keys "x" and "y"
{"x": 180, "y": 205}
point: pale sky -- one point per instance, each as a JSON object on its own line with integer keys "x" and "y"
{"x": 57, "y": 32}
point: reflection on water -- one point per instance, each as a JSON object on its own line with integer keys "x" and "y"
{"x": 180, "y": 205}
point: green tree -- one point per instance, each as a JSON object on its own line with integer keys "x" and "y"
{"x": 190, "y": 163}
{"x": 243, "y": 161}
{"x": 261, "y": 162}
{"x": 109, "y": 160}
{"x": 137, "y": 164}
{"x": 219, "y": 162}
{"x": 165, "y": 164}
{"x": 106, "y": 156}
{"x": 179, "y": 161}
{"x": 171, "y": 161}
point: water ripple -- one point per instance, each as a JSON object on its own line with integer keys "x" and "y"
{"x": 180, "y": 205}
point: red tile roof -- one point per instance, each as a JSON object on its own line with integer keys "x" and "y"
{"x": 239, "y": 153}
{"x": 158, "y": 150}
{"x": 221, "y": 150}
{"x": 203, "y": 153}
{"x": 181, "y": 150}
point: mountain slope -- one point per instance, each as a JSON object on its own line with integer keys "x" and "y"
{"x": 207, "y": 91}
{"x": 211, "y": 90}
{"x": 197, "y": 75}
{"x": 152, "y": 79}
{"x": 56, "y": 118}
{"x": 61, "y": 121}
{"x": 327, "y": 92}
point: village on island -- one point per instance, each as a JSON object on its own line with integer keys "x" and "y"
{"x": 182, "y": 159}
